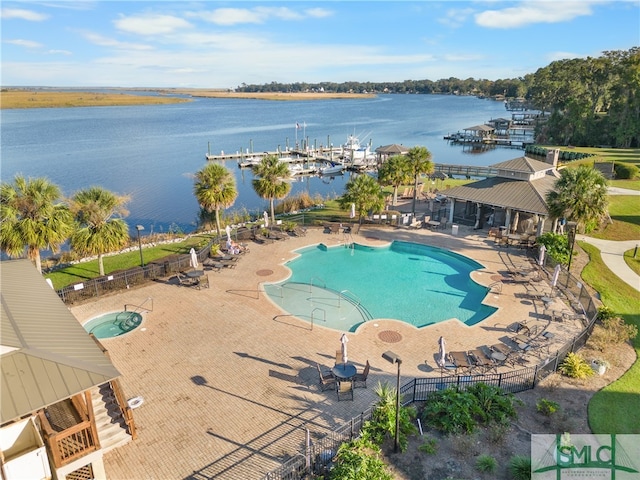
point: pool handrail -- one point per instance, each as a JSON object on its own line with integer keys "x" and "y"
{"x": 324, "y": 315}
{"x": 141, "y": 307}
{"x": 324, "y": 284}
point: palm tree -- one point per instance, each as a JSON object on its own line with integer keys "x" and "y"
{"x": 580, "y": 195}
{"x": 395, "y": 172}
{"x": 419, "y": 164}
{"x": 271, "y": 180}
{"x": 215, "y": 188}
{"x": 32, "y": 216}
{"x": 365, "y": 193}
{"x": 99, "y": 225}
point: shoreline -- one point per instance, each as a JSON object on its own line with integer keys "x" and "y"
{"x": 46, "y": 97}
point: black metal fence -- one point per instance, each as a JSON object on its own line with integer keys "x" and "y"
{"x": 99, "y": 286}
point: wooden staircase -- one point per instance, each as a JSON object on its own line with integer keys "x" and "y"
{"x": 111, "y": 425}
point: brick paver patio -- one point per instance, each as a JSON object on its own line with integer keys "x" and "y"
{"x": 230, "y": 384}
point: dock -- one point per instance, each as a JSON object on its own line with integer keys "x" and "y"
{"x": 321, "y": 154}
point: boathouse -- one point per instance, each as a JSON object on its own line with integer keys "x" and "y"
{"x": 514, "y": 199}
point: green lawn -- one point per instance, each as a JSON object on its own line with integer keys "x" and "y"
{"x": 615, "y": 408}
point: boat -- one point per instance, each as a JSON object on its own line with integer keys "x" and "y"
{"x": 331, "y": 169}
{"x": 296, "y": 169}
{"x": 248, "y": 161}
{"x": 357, "y": 156}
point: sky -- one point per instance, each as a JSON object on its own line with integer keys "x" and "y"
{"x": 213, "y": 44}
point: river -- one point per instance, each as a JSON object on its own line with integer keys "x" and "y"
{"x": 151, "y": 152}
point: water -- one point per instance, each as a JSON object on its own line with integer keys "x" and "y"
{"x": 152, "y": 152}
{"x": 438, "y": 281}
{"x": 113, "y": 324}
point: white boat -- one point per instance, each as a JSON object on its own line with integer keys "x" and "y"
{"x": 248, "y": 161}
{"x": 357, "y": 156}
{"x": 331, "y": 169}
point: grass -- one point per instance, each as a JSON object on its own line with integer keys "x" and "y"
{"x": 83, "y": 271}
{"x": 53, "y": 99}
{"x": 615, "y": 408}
{"x": 625, "y": 215}
{"x": 633, "y": 261}
{"x": 621, "y": 155}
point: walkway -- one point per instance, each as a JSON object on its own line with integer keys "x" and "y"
{"x": 613, "y": 256}
{"x": 230, "y": 383}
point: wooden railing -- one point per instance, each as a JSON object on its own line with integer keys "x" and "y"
{"x": 70, "y": 444}
{"x": 127, "y": 412}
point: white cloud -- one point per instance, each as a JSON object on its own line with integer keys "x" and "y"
{"x": 103, "y": 41}
{"x": 30, "y": 15}
{"x": 24, "y": 43}
{"x": 455, "y": 17}
{"x": 59, "y": 52}
{"x": 532, "y": 12}
{"x": 151, "y": 24}
{"x": 257, "y": 15}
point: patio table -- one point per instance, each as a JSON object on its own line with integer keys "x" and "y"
{"x": 344, "y": 371}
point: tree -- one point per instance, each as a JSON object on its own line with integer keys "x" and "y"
{"x": 420, "y": 163}
{"x": 394, "y": 172}
{"x": 99, "y": 225}
{"x": 365, "y": 193}
{"x": 271, "y": 181}
{"x": 580, "y": 195}
{"x": 215, "y": 188}
{"x": 32, "y": 216}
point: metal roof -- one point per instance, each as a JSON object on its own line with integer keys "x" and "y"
{"x": 523, "y": 164}
{"x": 47, "y": 355}
{"x": 525, "y": 196}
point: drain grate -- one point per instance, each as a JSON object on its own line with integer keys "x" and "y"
{"x": 389, "y": 336}
{"x": 264, "y": 273}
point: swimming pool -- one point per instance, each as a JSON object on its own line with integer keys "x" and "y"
{"x": 113, "y": 324}
{"x": 342, "y": 287}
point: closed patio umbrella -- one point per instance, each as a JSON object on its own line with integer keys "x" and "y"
{"x": 344, "y": 341}
{"x": 193, "y": 261}
{"x": 442, "y": 352}
{"x": 541, "y": 253}
{"x": 556, "y": 274}
{"x": 266, "y": 219}
{"x": 352, "y": 214}
{"x": 228, "y": 230}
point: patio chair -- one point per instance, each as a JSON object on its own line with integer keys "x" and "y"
{"x": 300, "y": 231}
{"x": 183, "y": 280}
{"x": 338, "y": 356}
{"x": 327, "y": 379}
{"x": 360, "y": 380}
{"x": 345, "y": 390}
{"x": 480, "y": 360}
{"x": 460, "y": 360}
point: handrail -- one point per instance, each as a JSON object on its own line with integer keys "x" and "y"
{"x": 324, "y": 284}
{"x": 324, "y": 314}
{"x": 127, "y": 412}
{"x": 353, "y": 295}
{"x": 141, "y": 307}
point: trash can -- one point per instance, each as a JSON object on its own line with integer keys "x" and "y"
{"x": 454, "y": 229}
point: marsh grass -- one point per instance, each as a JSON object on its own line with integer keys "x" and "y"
{"x": 53, "y": 99}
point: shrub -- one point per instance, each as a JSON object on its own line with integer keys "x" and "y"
{"x": 625, "y": 171}
{"x": 547, "y": 407}
{"x": 575, "y": 366}
{"x": 359, "y": 459}
{"x": 383, "y": 419}
{"x": 520, "y": 467}
{"x": 430, "y": 446}
{"x": 486, "y": 463}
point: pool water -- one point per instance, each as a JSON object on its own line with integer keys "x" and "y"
{"x": 341, "y": 287}
{"x": 113, "y": 324}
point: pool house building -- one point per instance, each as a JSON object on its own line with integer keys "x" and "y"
{"x": 513, "y": 201}
{"x": 62, "y": 406}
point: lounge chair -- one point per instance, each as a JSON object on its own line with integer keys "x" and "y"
{"x": 360, "y": 380}
{"x": 344, "y": 390}
{"x": 459, "y": 359}
{"x": 299, "y": 231}
{"x": 327, "y": 379}
{"x": 480, "y": 359}
{"x": 258, "y": 237}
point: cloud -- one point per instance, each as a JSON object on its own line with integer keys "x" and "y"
{"x": 24, "y": 43}
{"x": 103, "y": 41}
{"x": 59, "y": 52}
{"x": 30, "y": 15}
{"x": 257, "y": 15}
{"x": 151, "y": 24}
{"x": 532, "y": 12}
{"x": 455, "y": 17}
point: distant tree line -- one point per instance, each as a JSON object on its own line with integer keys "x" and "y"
{"x": 590, "y": 101}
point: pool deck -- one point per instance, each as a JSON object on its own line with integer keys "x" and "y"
{"x": 230, "y": 383}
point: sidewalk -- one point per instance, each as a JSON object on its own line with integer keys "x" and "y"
{"x": 612, "y": 255}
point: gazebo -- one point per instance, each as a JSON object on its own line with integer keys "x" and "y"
{"x": 390, "y": 150}
{"x": 514, "y": 199}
